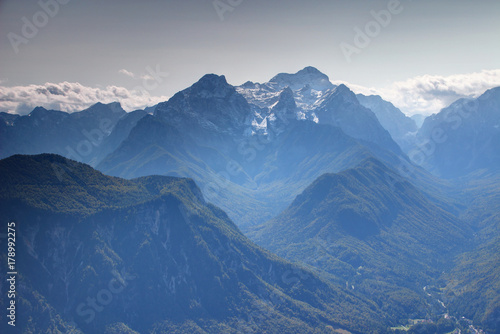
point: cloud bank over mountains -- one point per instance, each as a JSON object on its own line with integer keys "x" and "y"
{"x": 71, "y": 97}
{"x": 428, "y": 94}
{"x": 425, "y": 95}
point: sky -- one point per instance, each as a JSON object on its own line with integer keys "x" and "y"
{"x": 68, "y": 54}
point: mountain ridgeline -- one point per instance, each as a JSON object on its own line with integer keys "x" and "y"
{"x": 82, "y": 136}
{"x": 101, "y": 254}
{"x": 371, "y": 229}
{"x": 462, "y": 139}
{"x": 401, "y": 127}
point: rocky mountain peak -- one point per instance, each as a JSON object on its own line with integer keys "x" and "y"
{"x": 307, "y": 76}
{"x": 99, "y": 107}
{"x": 286, "y": 97}
{"x": 212, "y": 85}
{"x": 341, "y": 94}
{"x": 38, "y": 111}
{"x": 285, "y": 109}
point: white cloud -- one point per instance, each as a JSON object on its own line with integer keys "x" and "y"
{"x": 71, "y": 97}
{"x": 134, "y": 76}
{"x": 147, "y": 77}
{"x": 127, "y": 73}
{"x": 428, "y": 94}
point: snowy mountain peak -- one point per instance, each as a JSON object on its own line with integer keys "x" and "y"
{"x": 309, "y": 95}
{"x": 307, "y": 76}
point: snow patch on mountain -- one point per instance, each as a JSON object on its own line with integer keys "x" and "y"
{"x": 300, "y": 94}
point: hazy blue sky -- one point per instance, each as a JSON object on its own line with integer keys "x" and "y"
{"x": 96, "y": 43}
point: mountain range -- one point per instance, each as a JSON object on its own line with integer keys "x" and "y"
{"x": 462, "y": 139}
{"x": 101, "y": 254}
{"x": 251, "y": 157}
{"x": 373, "y": 230}
{"x": 375, "y": 221}
{"x": 80, "y": 136}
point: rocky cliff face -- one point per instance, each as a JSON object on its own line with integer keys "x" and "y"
{"x": 401, "y": 127}
{"x": 210, "y": 108}
{"x": 462, "y": 139}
